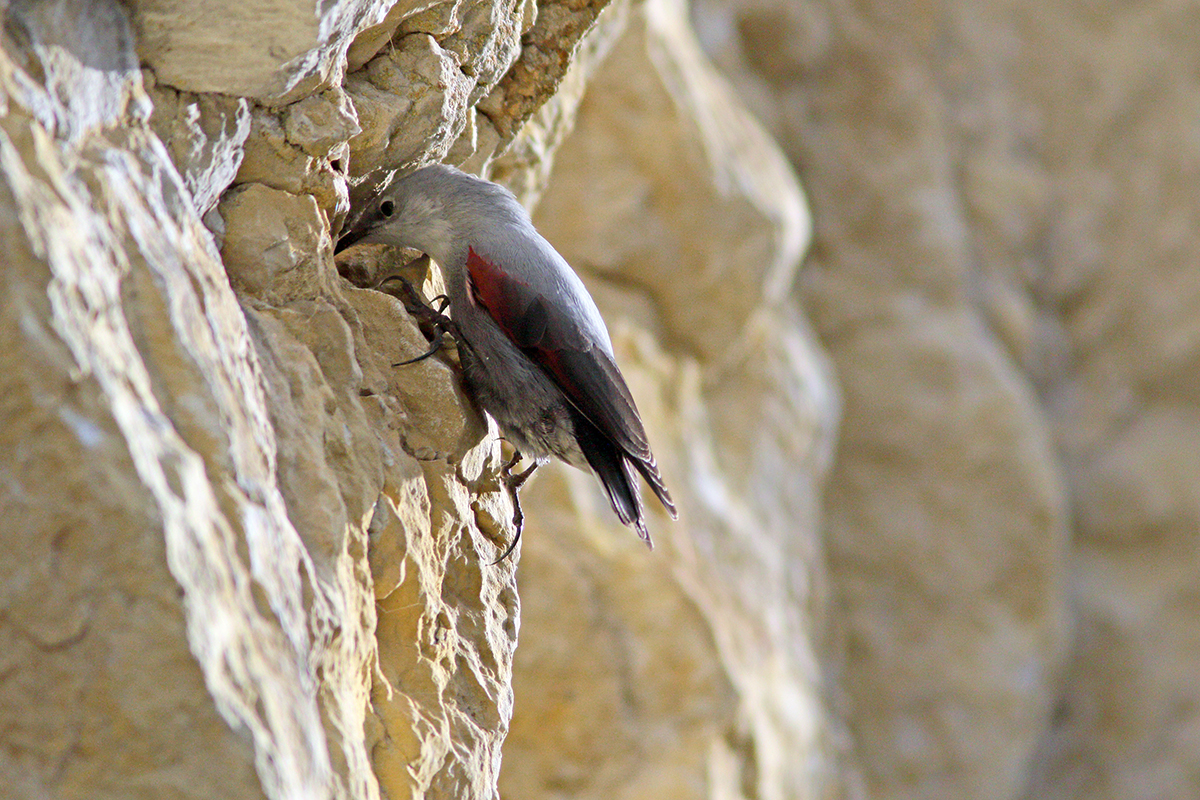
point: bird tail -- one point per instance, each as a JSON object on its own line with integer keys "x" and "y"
{"x": 649, "y": 470}
{"x": 617, "y": 475}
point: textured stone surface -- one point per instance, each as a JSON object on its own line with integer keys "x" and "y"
{"x": 317, "y": 527}
{"x": 1107, "y": 273}
{"x": 458, "y": 83}
{"x": 273, "y": 52}
{"x": 271, "y": 159}
{"x": 178, "y": 667}
{"x": 522, "y": 156}
{"x": 212, "y": 473}
{"x": 546, "y": 54}
{"x": 204, "y": 134}
{"x": 946, "y": 510}
{"x": 250, "y": 557}
{"x": 412, "y": 99}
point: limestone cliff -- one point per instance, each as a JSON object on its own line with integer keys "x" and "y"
{"x": 248, "y": 557}
{"x": 1004, "y": 274}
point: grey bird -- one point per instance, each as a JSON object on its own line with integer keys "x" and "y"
{"x": 535, "y": 352}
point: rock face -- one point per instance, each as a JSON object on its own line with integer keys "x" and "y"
{"x": 946, "y": 513}
{"x": 692, "y": 673}
{"x": 253, "y": 558}
{"x": 250, "y": 557}
{"x": 1003, "y": 273}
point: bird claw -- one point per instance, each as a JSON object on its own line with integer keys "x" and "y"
{"x": 425, "y": 312}
{"x": 437, "y": 345}
{"x": 514, "y": 483}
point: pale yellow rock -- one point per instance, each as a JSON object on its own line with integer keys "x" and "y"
{"x": 270, "y": 158}
{"x": 254, "y": 557}
{"x": 689, "y": 671}
{"x": 138, "y": 366}
{"x": 1004, "y": 195}
{"x": 273, "y": 244}
{"x": 413, "y": 81}
{"x": 519, "y": 128}
{"x": 204, "y": 134}
{"x": 321, "y": 122}
{"x": 370, "y": 40}
{"x": 274, "y": 52}
{"x": 247, "y": 556}
{"x": 212, "y": 471}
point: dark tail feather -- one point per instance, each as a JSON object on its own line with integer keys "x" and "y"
{"x": 617, "y": 475}
{"x": 649, "y": 470}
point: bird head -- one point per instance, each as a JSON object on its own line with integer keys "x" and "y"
{"x": 405, "y": 214}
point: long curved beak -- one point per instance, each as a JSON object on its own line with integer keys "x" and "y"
{"x": 360, "y": 228}
{"x": 350, "y": 238}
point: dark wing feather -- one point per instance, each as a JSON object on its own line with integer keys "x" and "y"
{"x": 586, "y": 374}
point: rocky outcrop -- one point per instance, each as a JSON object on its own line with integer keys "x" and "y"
{"x": 946, "y": 515}
{"x": 255, "y": 558}
{"x": 250, "y": 557}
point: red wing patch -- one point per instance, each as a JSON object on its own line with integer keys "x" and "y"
{"x": 488, "y": 286}
{"x": 587, "y": 375}
{"x": 518, "y": 310}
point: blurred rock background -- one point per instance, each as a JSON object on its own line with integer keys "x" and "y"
{"x": 932, "y": 420}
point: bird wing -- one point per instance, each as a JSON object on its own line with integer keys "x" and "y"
{"x": 586, "y": 374}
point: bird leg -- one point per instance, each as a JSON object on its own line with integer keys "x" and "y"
{"x": 514, "y": 483}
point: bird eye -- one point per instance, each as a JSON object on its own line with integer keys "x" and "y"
{"x": 387, "y": 208}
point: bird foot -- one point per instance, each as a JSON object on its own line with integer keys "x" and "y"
{"x": 424, "y": 312}
{"x": 514, "y": 482}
